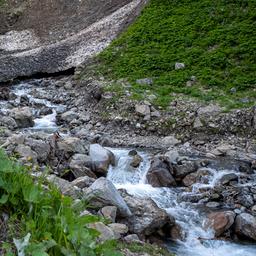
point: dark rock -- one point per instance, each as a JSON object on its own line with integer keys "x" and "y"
{"x": 159, "y": 174}
{"x": 220, "y": 221}
{"x": 226, "y": 178}
{"x": 4, "y": 93}
{"x": 183, "y": 168}
{"x": 245, "y": 225}
{"x": 147, "y": 217}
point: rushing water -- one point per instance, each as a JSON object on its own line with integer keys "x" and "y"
{"x": 37, "y": 97}
{"x": 199, "y": 241}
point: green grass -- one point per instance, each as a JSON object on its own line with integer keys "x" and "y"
{"x": 39, "y": 209}
{"x": 2, "y": 2}
{"x": 215, "y": 39}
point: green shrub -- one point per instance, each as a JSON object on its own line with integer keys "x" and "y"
{"x": 215, "y": 40}
{"x": 52, "y": 219}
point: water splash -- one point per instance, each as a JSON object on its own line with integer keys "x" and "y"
{"x": 198, "y": 241}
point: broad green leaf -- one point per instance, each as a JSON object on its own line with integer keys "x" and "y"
{"x": 4, "y": 199}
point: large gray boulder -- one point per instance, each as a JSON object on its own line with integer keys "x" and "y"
{"x": 183, "y": 168}
{"x": 26, "y": 153}
{"x": 81, "y": 165}
{"x": 42, "y": 148}
{"x": 8, "y": 122}
{"x": 147, "y": 217}
{"x": 245, "y": 225}
{"x": 101, "y": 157}
{"x": 23, "y": 117}
{"x": 103, "y": 193}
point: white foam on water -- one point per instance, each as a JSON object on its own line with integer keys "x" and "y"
{"x": 47, "y": 122}
{"x": 213, "y": 179}
{"x": 199, "y": 241}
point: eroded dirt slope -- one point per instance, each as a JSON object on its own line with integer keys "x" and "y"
{"x": 50, "y": 36}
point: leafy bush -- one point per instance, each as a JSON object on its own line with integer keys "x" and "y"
{"x": 52, "y": 219}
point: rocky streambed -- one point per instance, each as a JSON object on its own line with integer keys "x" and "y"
{"x": 194, "y": 202}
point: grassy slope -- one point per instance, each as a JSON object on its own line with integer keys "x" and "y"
{"x": 215, "y": 39}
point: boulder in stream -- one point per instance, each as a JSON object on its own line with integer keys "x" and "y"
{"x": 159, "y": 174}
{"x": 103, "y": 193}
{"x": 23, "y": 117}
{"x": 101, "y": 157}
{"x": 147, "y": 217}
{"x": 245, "y": 225}
{"x": 220, "y": 221}
{"x": 81, "y": 165}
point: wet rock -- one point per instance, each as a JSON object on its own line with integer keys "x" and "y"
{"x": 106, "y": 233}
{"x": 147, "y": 217}
{"x": 24, "y": 100}
{"x": 190, "y": 179}
{"x": 4, "y": 93}
{"x": 183, "y": 168}
{"x": 109, "y": 212}
{"x": 23, "y": 117}
{"x": 193, "y": 198}
{"x": 102, "y": 158}
{"x": 226, "y": 178}
{"x": 143, "y": 110}
{"x": 45, "y": 111}
{"x": 177, "y": 233}
{"x": 220, "y": 221}
{"x": 245, "y": 225}
{"x": 136, "y": 161}
{"x": 159, "y": 174}
{"x": 81, "y": 165}
{"x": 103, "y": 193}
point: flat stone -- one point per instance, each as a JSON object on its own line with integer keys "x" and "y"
{"x": 143, "y": 110}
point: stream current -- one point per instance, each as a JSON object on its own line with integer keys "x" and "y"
{"x": 198, "y": 240}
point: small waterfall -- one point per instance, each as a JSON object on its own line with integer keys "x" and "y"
{"x": 199, "y": 241}
{"x": 47, "y": 122}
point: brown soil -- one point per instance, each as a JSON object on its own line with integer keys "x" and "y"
{"x": 54, "y": 20}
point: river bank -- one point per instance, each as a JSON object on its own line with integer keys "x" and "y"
{"x": 51, "y": 123}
